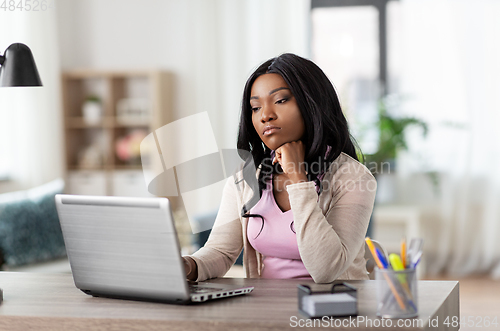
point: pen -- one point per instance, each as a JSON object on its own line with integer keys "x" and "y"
{"x": 382, "y": 259}
{"x": 403, "y": 252}
{"x": 396, "y": 262}
{"x": 413, "y": 250}
{"x": 416, "y": 259}
{"x": 416, "y": 262}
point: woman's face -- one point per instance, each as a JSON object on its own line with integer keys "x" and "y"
{"x": 275, "y": 114}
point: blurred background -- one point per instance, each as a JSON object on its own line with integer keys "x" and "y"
{"x": 417, "y": 79}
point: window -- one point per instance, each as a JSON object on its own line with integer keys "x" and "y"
{"x": 349, "y": 42}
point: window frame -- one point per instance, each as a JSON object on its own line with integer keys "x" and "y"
{"x": 381, "y": 6}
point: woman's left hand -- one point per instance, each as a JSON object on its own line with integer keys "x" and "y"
{"x": 291, "y": 158}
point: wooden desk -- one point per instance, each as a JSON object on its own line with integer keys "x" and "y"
{"x": 34, "y": 301}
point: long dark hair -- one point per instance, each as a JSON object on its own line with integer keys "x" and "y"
{"x": 325, "y": 124}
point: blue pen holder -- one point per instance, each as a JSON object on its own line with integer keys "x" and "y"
{"x": 396, "y": 293}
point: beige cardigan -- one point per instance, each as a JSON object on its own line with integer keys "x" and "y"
{"x": 330, "y": 231}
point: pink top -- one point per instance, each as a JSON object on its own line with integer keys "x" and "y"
{"x": 274, "y": 237}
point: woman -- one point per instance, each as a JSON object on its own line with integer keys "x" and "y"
{"x": 301, "y": 204}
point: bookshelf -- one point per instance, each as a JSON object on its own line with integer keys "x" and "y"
{"x": 102, "y": 141}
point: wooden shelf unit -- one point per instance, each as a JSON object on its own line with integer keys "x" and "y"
{"x": 103, "y": 178}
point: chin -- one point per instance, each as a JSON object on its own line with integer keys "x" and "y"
{"x": 272, "y": 146}
{"x": 274, "y": 142}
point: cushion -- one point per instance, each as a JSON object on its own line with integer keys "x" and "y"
{"x": 29, "y": 226}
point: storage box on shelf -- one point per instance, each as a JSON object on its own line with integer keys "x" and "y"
{"x": 106, "y": 114}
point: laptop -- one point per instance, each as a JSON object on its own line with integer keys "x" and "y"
{"x": 127, "y": 248}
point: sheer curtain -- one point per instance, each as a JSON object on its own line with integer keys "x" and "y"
{"x": 451, "y": 74}
{"x": 231, "y": 38}
{"x": 30, "y": 117}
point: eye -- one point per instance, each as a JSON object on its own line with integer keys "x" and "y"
{"x": 255, "y": 109}
{"x": 282, "y": 100}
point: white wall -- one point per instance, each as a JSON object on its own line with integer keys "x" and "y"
{"x": 31, "y": 134}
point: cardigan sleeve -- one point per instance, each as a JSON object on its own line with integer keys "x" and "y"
{"x": 328, "y": 243}
{"x": 226, "y": 239}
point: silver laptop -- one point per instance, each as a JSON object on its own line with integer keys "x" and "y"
{"x": 128, "y": 248}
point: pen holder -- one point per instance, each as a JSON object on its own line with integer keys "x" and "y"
{"x": 396, "y": 293}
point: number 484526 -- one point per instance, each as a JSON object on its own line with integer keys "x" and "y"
{"x": 26, "y": 5}
{"x": 471, "y": 321}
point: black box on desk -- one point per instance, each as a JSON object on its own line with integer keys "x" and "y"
{"x": 337, "y": 299}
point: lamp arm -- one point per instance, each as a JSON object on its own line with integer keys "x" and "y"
{"x": 2, "y": 59}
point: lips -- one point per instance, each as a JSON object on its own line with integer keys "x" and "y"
{"x": 270, "y": 129}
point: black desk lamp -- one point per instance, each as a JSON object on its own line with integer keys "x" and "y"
{"x": 18, "y": 68}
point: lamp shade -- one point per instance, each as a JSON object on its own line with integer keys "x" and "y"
{"x": 18, "y": 68}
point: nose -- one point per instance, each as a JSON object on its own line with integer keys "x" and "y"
{"x": 267, "y": 114}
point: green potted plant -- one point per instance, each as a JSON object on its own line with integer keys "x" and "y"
{"x": 92, "y": 110}
{"x": 392, "y": 139}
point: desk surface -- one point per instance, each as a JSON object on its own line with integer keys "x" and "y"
{"x": 52, "y": 302}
